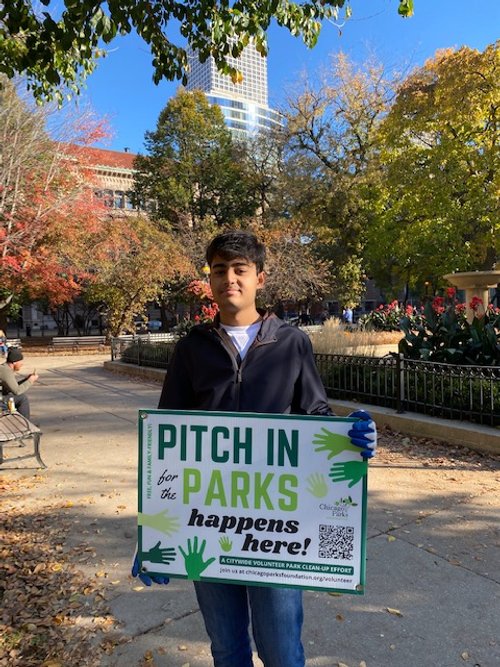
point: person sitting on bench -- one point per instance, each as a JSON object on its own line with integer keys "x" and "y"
{"x": 10, "y": 385}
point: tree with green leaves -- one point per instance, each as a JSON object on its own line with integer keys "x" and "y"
{"x": 198, "y": 182}
{"x": 263, "y": 154}
{"x": 192, "y": 171}
{"x": 56, "y": 50}
{"x": 194, "y": 179}
{"x": 438, "y": 208}
{"x": 332, "y": 166}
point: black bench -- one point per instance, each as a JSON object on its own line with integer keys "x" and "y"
{"x": 76, "y": 342}
{"x": 17, "y": 431}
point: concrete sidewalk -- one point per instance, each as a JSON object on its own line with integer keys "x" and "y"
{"x": 433, "y": 576}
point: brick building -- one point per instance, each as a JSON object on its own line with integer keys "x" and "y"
{"x": 114, "y": 175}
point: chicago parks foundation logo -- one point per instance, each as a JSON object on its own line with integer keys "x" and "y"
{"x": 340, "y": 508}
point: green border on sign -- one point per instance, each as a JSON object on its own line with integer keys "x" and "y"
{"x": 259, "y": 415}
{"x": 143, "y": 413}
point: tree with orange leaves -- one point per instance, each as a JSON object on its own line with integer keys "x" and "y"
{"x": 132, "y": 259}
{"x": 47, "y": 217}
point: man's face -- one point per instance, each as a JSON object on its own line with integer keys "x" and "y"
{"x": 17, "y": 365}
{"x": 235, "y": 283}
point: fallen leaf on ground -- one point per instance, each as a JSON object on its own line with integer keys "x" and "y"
{"x": 46, "y": 599}
{"x": 394, "y": 612}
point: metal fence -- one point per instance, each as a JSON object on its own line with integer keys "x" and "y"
{"x": 470, "y": 393}
{"x": 372, "y": 380}
{"x": 142, "y": 351}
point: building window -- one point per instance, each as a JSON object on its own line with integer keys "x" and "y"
{"x": 119, "y": 199}
{"x": 129, "y": 204}
{"x": 107, "y": 198}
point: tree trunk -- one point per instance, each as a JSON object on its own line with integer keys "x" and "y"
{"x": 4, "y": 310}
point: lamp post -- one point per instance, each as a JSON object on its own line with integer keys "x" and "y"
{"x": 426, "y": 284}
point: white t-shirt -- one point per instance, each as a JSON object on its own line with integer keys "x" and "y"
{"x": 242, "y": 337}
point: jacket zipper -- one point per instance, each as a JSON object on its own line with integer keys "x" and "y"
{"x": 238, "y": 367}
{"x": 228, "y": 346}
{"x": 239, "y": 375}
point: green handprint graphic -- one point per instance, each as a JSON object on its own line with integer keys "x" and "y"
{"x": 158, "y": 555}
{"x": 225, "y": 543}
{"x": 350, "y": 470}
{"x": 160, "y": 521}
{"x": 193, "y": 559}
{"x": 317, "y": 485}
{"x": 333, "y": 443}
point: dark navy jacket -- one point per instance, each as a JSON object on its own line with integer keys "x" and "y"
{"x": 278, "y": 374}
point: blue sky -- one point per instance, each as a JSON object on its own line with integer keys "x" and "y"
{"x": 122, "y": 89}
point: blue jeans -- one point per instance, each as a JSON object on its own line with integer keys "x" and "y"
{"x": 276, "y": 615}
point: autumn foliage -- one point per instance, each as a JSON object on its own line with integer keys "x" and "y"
{"x": 132, "y": 260}
{"x": 48, "y": 215}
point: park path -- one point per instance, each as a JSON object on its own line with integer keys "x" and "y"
{"x": 433, "y": 580}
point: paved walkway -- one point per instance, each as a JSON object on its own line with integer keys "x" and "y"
{"x": 433, "y": 576}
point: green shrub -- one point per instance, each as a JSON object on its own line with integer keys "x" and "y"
{"x": 386, "y": 317}
{"x": 148, "y": 354}
{"x": 443, "y": 334}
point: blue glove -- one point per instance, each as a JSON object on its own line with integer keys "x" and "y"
{"x": 147, "y": 579}
{"x": 363, "y": 433}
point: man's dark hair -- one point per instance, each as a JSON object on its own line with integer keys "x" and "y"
{"x": 237, "y": 243}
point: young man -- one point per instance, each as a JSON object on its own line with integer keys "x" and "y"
{"x": 10, "y": 385}
{"x": 248, "y": 361}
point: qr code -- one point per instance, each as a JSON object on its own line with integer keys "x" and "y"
{"x": 336, "y": 542}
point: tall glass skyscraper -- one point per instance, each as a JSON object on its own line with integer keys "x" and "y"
{"x": 244, "y": 105}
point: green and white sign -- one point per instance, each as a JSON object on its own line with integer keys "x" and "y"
{"x": 276, "y": 500}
